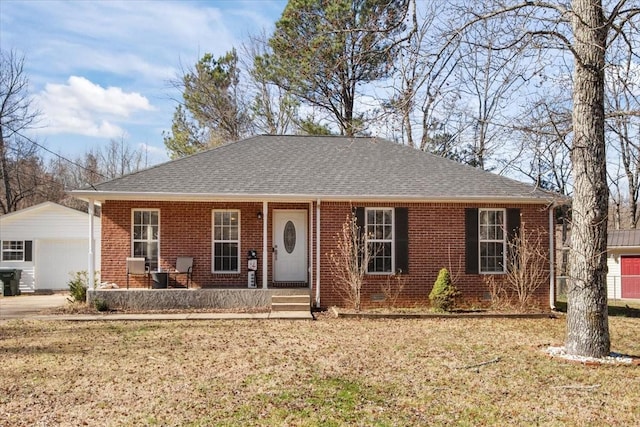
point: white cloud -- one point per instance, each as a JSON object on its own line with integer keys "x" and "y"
{"x": 85, "y": 108}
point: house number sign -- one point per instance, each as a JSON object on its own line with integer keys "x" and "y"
{"x": 289, "y": 237}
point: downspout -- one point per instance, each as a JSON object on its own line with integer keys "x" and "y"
{"x": 552, "y": 253}
{"x": 265, "y": 252}
{"x": 92, "y": 261}
{"x": 318, "y": 253}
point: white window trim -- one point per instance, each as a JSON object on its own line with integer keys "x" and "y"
{"x": 133, "y": 211}
{"x": 504, "y": 241}
{"x": 3, "y": 251}
{"x": 213, "y": 242}
{"x": 393, "y": 240}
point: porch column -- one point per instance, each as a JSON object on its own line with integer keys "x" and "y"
{"x": 265, "y": 250}
{"x": 318, "y": 253}
{"x": 92, "y": 261}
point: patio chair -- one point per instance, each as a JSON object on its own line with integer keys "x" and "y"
{"x": 184, "y": 265}
{"x": 137, "y": 267}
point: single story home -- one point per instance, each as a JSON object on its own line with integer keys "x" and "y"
{"x": 47, "y": 242}
{"x": 623, "y": 277}
{"x": 286, "y": 198}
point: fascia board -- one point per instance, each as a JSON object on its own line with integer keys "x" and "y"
{"x": 101, "y": 196}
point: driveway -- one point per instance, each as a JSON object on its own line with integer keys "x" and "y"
{"x": 25, "y": 306}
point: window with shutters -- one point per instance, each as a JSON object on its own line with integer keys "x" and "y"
{"x": 12, "y": 250}
{"x": 492, "y": 240}
{"x": 380, "y": 240}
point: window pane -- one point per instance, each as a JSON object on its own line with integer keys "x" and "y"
{"x": 388, "y": 232}
{"x": 484, "y": 233}
{"x": 388, "y": 214}
{"x": 371, "y": 216}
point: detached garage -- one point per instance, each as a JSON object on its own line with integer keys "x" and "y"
{"x": 623, "y": 278}
{"x": 47, "y": 242}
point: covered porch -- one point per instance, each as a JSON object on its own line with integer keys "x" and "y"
{"x": 243, "y": 250}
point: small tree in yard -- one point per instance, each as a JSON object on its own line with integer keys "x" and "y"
{"x": 443, "y": 294}
{"x": 349, "y": 261}
{"x": 525, "y": 266}
{"x": 525, "y": 272}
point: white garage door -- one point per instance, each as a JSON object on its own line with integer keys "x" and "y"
{"x": 54, "y": 259}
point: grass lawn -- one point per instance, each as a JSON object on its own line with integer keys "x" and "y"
{"x": 328, "y": 372}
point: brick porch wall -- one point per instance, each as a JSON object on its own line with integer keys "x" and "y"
{"x": 436, "y": 240}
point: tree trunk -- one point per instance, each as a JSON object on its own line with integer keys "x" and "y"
{"x": 587, "y": 316}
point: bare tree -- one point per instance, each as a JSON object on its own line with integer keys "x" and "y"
{"x": 489, "y": 77}
{"x": 585, "y": 29}
{"x": 349, "y": 262}
{"x": 17, "y": 116}
{"x": 526, "y": 268}
{"x": 118, "y": 158}
{"x": 423, "y": 89}
{"x": 274, "y": 110}
{"x": 545, "y": 134}
{"x": 623, "y": 132}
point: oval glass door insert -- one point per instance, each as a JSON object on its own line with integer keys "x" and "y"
{"x": 289, "y": 237}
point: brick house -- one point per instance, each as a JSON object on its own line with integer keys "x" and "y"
{"x": 287, "y": 197}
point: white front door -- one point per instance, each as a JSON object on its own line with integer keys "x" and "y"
{"x": 290, "y": 246}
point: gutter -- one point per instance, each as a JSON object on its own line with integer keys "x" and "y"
{"x": 209, "y": 197}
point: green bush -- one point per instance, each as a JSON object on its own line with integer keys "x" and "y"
{"x": 443, "y": 294}
{"x": 100, "y": 304}
{"x": 78, "y": 286}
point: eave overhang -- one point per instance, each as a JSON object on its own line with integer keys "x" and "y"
{"x": 102, "y": 196}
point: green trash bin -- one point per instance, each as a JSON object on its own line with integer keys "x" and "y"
{"x": 10, "y": 278}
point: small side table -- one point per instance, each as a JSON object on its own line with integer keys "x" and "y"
{"x": 159, "y": 279}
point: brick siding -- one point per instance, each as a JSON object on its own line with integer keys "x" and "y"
{"x": 436, "y": 240}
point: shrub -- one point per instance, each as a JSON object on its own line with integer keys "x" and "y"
{"x": 100, "y": 304}
{"x": 349, "y": 262}
{"x": 443, "y": 294}
{"x": 78, "y": 286}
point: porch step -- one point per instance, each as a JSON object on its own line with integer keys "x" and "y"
{"x": 291, "y": 303}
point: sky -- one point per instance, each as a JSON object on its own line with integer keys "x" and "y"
{"x": 102, "y": 70}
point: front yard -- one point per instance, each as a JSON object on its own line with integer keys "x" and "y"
{"x": 328, "y": 372}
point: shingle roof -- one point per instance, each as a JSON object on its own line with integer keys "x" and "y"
{"x": 319, "y": 167}
{"x": 617, "y": 238}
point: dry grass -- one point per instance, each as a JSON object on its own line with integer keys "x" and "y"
{"x": 328, "y": 372}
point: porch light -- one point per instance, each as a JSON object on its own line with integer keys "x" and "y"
{"x": 259, "y": 214}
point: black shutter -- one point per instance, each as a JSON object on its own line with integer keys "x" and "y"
{"x": 402, "y": 240}
{"x": 513, "y": 223}
{"x": 471, "y": 240}
{"x": 513, "y": 231}
{"x": 28, "y": 250}
{"x": 359, "y": 213}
